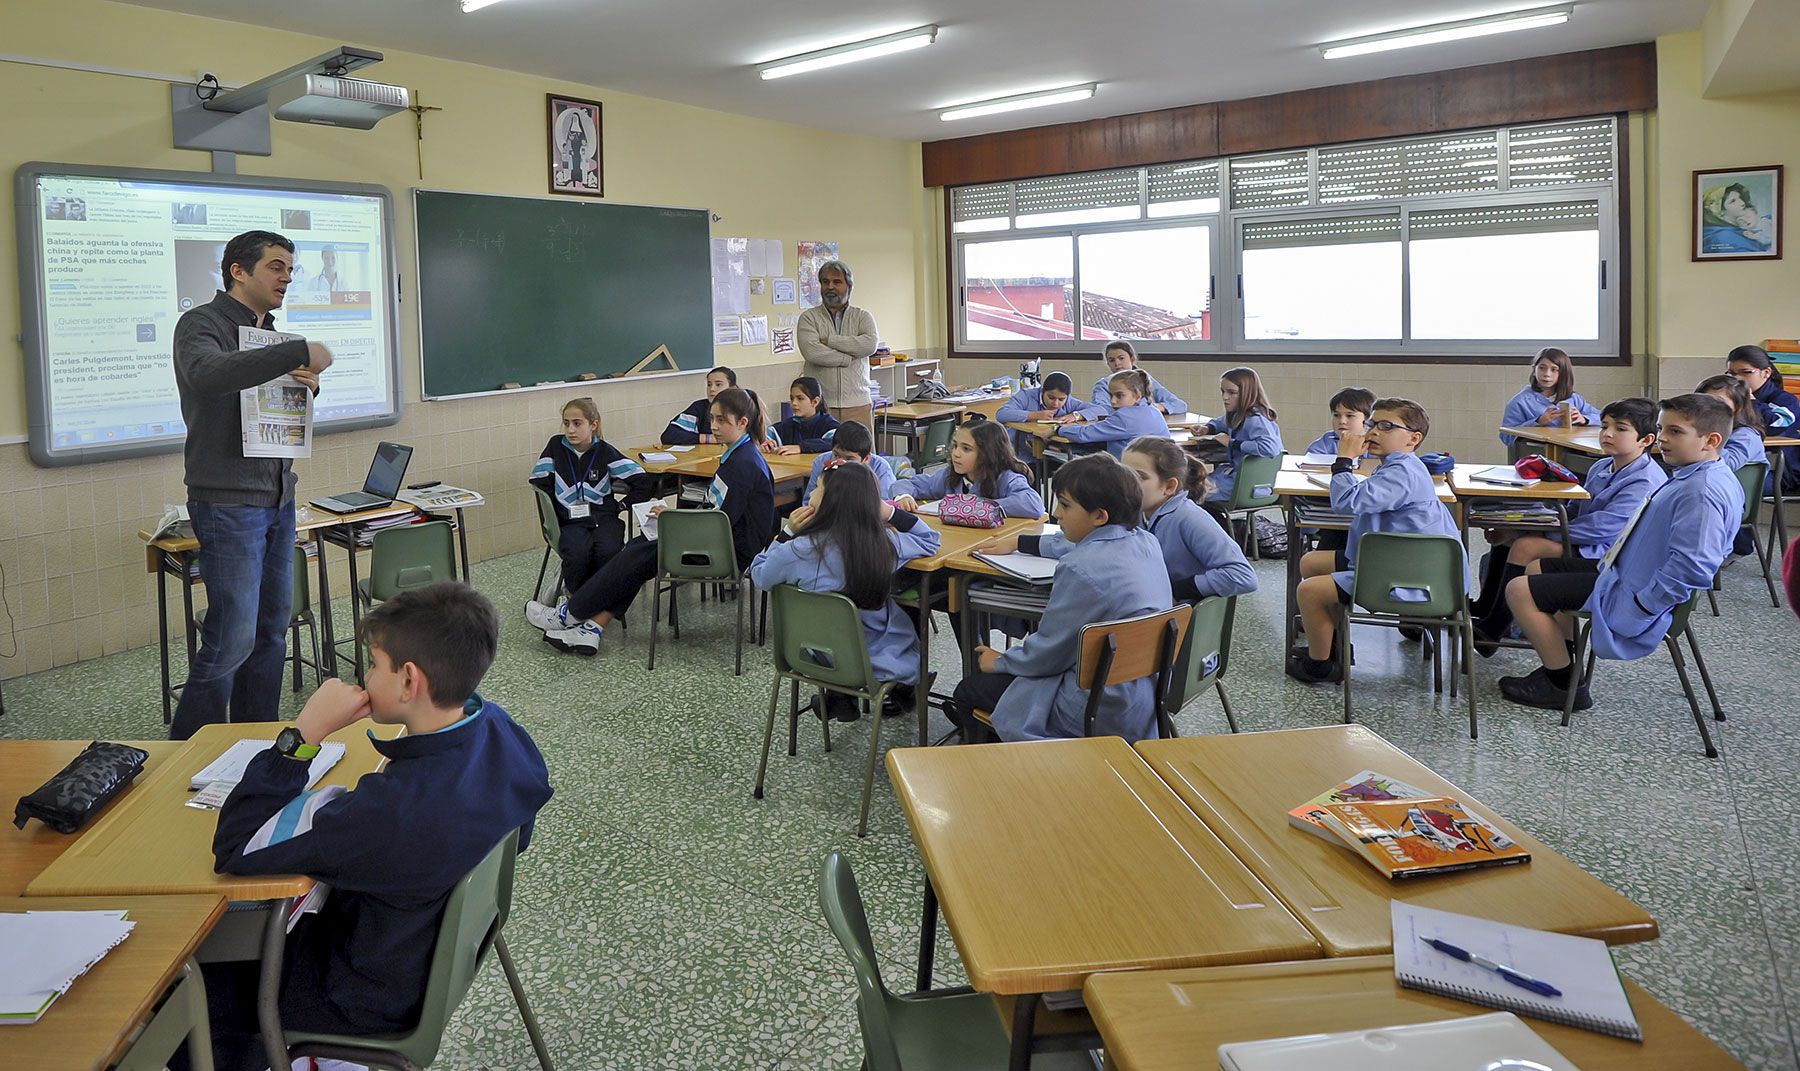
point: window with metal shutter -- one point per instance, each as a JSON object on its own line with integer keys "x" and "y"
{"x": 1461, "y": 163}
{"x": 1563, "y": 154}
{"x": 1195, "y": 187}
{"x": 1334, "y": 230}
{"x": 1508, "y": 219}
{"x": 1077, "y": 193}
{"x": 1269, "y": 181}
{"x": 981, "y": 202}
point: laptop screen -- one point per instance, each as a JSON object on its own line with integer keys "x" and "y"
{"x": 388, "y": 469}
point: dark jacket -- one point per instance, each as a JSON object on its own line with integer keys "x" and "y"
{"x": 391, "y": 850}
{"x": 210, "y": 370}
{"x": 811, "y": 436}
{"x": 689, "y": 424}
{"x": 744, "y": 489}
{"x": 1780, "y": 412}
{"x": 571, "y": 479}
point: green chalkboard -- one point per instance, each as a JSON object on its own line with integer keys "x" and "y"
{"x": 532, "y": 289}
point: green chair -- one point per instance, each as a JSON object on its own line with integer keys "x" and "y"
{"x": 302, "y": 614}
{"x": 1752, "y": 477}
{"x": 942, "y": 1030}
{"x": 1252, "y": 493}
{"x": 934, "y": 447}
{"x": 819, "y": 641}
{"x": 1407, "y": 579}
{"x": 694, "y": 546}
{"x": 1678, "y": 627}
{"x": 180, "y": 1019}
{"x": 401, "y": 558}
{"x": 1205, "y": 654}
{"x": 551, "y": 528}
{"x": 473, "y": 918}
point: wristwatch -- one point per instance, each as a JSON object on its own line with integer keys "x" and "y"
{"x": 294, "y": 746}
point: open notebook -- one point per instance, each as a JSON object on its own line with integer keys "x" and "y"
{"x": 1593, "y": 997}
{"x": 230, "y": 766}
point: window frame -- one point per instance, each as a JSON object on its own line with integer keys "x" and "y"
{"x": 1226, "y": 253}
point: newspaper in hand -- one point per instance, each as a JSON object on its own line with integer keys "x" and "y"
{"x": 277, "y": 416}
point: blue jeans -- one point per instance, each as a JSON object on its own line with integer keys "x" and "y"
{"x": 247, "y": 562}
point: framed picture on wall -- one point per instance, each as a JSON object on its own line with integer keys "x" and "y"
{"x": 1737, "y": 213}
{"x": 574, "y": 145}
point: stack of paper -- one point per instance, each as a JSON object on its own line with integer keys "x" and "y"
{"x": 230, "y": 766}
{"x": 645, "y": 522}
{"x": 45, "y": 951}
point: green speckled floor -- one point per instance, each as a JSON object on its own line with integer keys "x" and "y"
{"x": 664, "y": 919}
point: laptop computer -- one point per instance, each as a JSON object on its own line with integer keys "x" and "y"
{"x": 382, "y": 484}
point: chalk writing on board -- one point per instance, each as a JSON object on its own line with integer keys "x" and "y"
{"x": 481, "y": 238}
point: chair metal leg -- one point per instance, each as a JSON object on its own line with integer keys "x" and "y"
{"x": 1762, "y": 559}
{"x": 543, "y": 567}
{"x": 1230, "y": 718}
{"x": 518, "y": 992}
{"x": 1343, "y": 653}
{"x": 825, "y": 722}
{"x": 656, "y": 614}
{"x": 762, "y": 766}
{"x": 793, "y": 717}
{"x": 1713, "y": 599}
{"x": 1433, "y": 640}
{"x": 1581, "y": 676}
{"x": 294, "y": 650}
{"x": 862, "y": 824}
{"x": 1687, "y": 689}
{"x": 744, "y": 594}
{"x": 1468, "y": 663}
{"x": 1705, "y": 677}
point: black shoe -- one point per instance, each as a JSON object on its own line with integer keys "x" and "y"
{"x": 1411, "y": 633}
{"x": 1486, "y": 643}
{"x": 1537, "y": 690}
{"x": 843, "y": 707}
{"x": 1308, "y": 670}
{"x": 899, "y": 700}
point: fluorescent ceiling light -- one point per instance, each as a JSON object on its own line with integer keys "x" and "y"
{"x": 904, "y": 41}
{"x": 477, "y": 5}
{"x": 1438, "y": 33}
{"x": 1023, "y": 100}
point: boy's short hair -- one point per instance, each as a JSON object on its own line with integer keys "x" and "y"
{"x": 246, "y": 251}
{"x": 1360, "y": 399}
{"x": 1411, "y": 413}
{"x": 1640, "y": 413}
{"x": 1099, "y": 482}
{"x": 853, "y": 437}
{"x": 1708, "y": 415}
{"x": 448, "y": 629}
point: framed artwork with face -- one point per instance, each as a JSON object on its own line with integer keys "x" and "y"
{"x": 1737, "y": 213}
{"x": 574, "y": 146}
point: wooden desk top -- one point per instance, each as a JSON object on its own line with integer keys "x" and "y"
{"x": 958, "y": 543}
{"x": 306, "y": 519}
{"x": 1586, "y": 439}
{"x": 1464, "y": 483}
{"x": 703, "y": 461}
{"x": 922, "y": 410}
{"x": 151, "y": 843}
{"x": 1243, "y": 786}
{"x": 706, "y": 451}
{"x": 1175, "y": 1020}
{"x": 26, "y": 764}
{"x": 1293, "y": 481}
{"x": 1054, "y": 859}
{"x": 92, "y": 1025}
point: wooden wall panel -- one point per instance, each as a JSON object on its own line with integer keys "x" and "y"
{"x": 1599, "y": 82}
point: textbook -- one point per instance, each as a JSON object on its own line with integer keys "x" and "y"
{"x": 1027, "y": 567}
{"x": 1413, "y": 837}
{"x": 1474, "y": 1043}
{"x": 1502, "y": 474}
{"x": 46, "y": 951}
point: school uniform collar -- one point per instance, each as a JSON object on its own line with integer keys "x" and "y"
{"x": 732, "y": 449}
{"x": 1396, "y": 458}
{"x": 1642, "y": 459}
{"x": 410, "y": 746}
{"x": 571, "y": 446}
{"x": 1164, "y": 510}
{"x": 1107, "y": 532}
{"x": 239, "y": 313}
{"x": 1686, "y": 471}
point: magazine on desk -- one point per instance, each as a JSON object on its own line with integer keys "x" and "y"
{"x": 443, "y": 496}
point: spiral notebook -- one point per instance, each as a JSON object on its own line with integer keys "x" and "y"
{"x": 1593, "y": 995}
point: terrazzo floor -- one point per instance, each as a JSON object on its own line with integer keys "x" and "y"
{"x": 665, "y": 919}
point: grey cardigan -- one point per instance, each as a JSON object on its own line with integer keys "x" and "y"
{"x": 839, "y": 357}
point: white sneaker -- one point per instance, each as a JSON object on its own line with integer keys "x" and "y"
{"x": 544, "y": 618}
{"x": 582, "y": 639}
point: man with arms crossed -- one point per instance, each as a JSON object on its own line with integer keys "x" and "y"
{"x": 242, "y": 507}
{"x": 835, "y": 339}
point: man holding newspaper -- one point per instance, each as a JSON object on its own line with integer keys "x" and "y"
{"x": 241, "y": 487}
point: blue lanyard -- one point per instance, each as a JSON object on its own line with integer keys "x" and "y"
{"x": 587, "y": 463}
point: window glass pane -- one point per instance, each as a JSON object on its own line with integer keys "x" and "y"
{"x": 1019, "y": 289}
{"x": 1148, "y": 283}
{"x": 1508, "y": 272}
{"x": 1331, "y": 278}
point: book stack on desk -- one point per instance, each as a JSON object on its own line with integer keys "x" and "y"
{"x": 1513, "y": 513}
{"x": 365, "y": 530}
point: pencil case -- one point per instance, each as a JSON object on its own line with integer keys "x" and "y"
{"x": 970, "y": 511}
{"x": 1438, "y": 464}
{"x": 86, "y": 784}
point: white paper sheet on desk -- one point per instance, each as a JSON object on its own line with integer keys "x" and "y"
{"x": 231, "y": 765}
{"x": 656, "y": 457}
{"x": 680, "y": 449}
{"x": 928, "y": 509}
{"x": 45, "y": 951}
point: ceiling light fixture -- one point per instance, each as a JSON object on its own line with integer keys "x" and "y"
{"x": 1438, "y": 33}
{"x": 1039, "y": 99}
{"x": 476, "y": 5}
{"x": 904, "y": 41}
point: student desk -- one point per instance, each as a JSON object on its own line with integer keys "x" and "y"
{"x": 786, "y": 470}
{"x": 1556, "y": 494}
{"x": 26, "y": 764}
{"x": 1175, "y": 1020}
{"x": 149, "y": 843}
{"x": 1046, "y": 431}
{"x": 907, "y": 420}
{"x": 94, "y": 1024}
{"x": 1243, "y": 785}
{"x": 1293, "y": 486}
{"x": 1056, "y": 859}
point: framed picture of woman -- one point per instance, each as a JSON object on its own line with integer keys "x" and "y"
{"x": 574, "y": 144}
{"x": 1737, "y": 213}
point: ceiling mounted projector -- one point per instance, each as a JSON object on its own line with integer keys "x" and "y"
{"x": 328, "y": 101}
{"x": 317, "y": 91}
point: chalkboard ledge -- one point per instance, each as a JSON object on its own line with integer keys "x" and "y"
{"x": 565, "y": 384}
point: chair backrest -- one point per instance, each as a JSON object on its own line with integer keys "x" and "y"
{"x": 695, "y": 544}
{"x": 1205, "y": 651}
{"x": 1255, "y": 482}
{"x": 1752, "y": 477}
{"x": 476, "y": 911}
{"x": 1138, "y": 646}
{"x": 842, "y": 905}
{"x": 819, "y": 637}
{"x": 901, "y": 464}
{"x": 301, "y": 585}
{"x": 548, "y": 523}
{"x": 1415, "y": 574}
{"x": 936, "y": 442}
{"x": 411, "y": 556}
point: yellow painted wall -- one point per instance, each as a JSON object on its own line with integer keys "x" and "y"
{"x": 66, "y": 534}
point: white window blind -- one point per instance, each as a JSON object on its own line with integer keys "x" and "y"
{"x": 1269, "y": 181}
{"x": 1077, "y": 193}
{"x": 1182, "y": 182}
{"x": 981, "y": 202}
{"x": 1508, "y": 219}
{"x": 1462, "y": 163}
{"x": 1562, "y": 154}
{"x": 1330, "y": 230}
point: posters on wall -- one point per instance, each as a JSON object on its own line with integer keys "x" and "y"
{"x": 754, "y": 330}
{"x": 765, "y": 256}
{"x": 781, "y": 341}
{"x": 783, "y": 291}
{"x": 731, "y": 276}
{"x": 726, "y": 331}
{"x": 810, "y": 256}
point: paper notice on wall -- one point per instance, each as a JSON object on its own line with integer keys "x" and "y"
{"x": 755, "y": 330}
{"x": 806, "y": 272}
{"x": 726, "y": 331}
{"x": 759, "y": 258}
{"x": 276, "y": 417}
{"x": 781, "y": 341}
{"x": 730, "y": 276}
{"x": 783, "y": 291}
{"x": 758, "y": 285}
{"x": 772, "y": 257}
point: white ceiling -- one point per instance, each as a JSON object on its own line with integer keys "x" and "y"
{"x": 1146, "y": 54}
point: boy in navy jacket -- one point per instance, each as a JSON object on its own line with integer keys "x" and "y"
{"x": 461, "y": 777}
{"x": 1672, "y": 548}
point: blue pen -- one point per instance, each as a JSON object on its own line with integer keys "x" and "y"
{"x": 1518, "y": 978}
